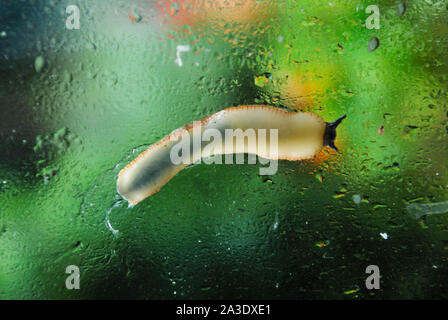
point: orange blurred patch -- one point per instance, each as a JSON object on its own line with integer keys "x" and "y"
{"x": 178, "y": 12}
{"x": 302, "y": 89}
{"x": 325, "y": 158}
{"x": 196, "y": 12}
{"x": 306, "y": 86}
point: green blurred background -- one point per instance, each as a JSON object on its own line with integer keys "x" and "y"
{"x": 78, "y": 105}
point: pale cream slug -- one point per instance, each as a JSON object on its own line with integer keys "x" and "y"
{"x": 299, "y": 136}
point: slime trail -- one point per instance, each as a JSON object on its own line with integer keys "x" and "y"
{"x": 102, "y": 197}
{"x": 108, "y": 225}
{"x": 418, "y": 210}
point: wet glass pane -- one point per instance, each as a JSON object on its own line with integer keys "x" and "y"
{"x": 86, "y": 86}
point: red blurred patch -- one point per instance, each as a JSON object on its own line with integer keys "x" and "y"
{"x": 131, "y": 16}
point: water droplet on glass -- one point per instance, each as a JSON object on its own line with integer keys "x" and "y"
{"x": 134, "y": 16}
{"x": 401, "y": 9}
{"x": 39, "y": 63}
{"x": 373, "y": 44}
{"x": 357, "y": 199}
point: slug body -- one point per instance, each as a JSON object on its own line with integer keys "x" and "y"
{"x": 299, "y": 136}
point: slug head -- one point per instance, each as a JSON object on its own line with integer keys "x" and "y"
{"x": 330, "y": 133}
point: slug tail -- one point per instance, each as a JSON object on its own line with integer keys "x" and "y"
{"x": 330, "y": 132}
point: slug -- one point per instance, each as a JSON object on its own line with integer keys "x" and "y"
{"x": 299, "y": 136}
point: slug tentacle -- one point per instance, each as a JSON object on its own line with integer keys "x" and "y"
{"x": 330, "y": 132}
